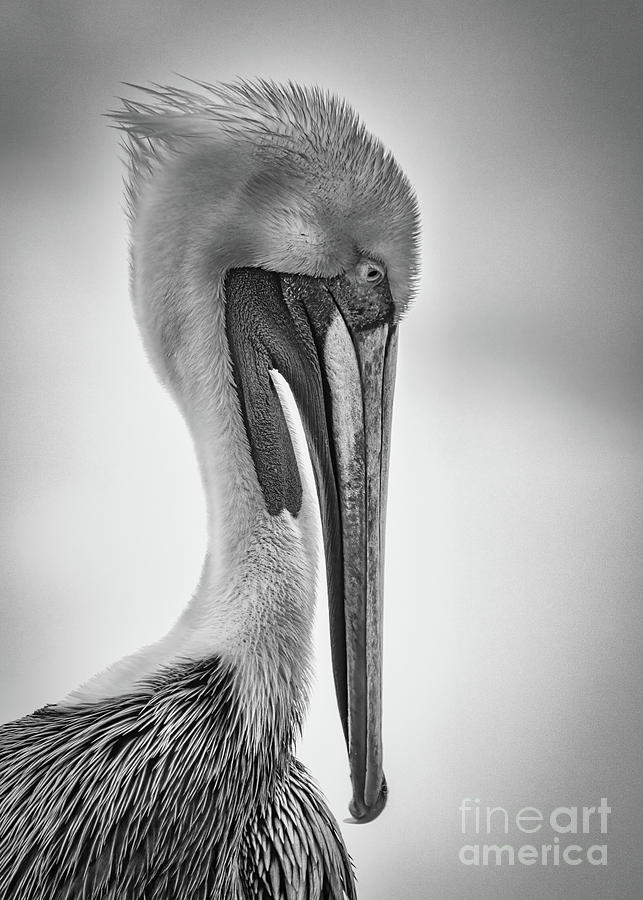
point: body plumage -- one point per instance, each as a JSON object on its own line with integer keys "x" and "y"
{"x": 123, "y": 798}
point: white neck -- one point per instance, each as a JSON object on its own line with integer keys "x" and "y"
{"x": 253, "y": 606}
{"x": 254, "y": 603}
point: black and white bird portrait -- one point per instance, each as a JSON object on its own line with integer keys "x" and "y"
{"x": 320, "y": 450}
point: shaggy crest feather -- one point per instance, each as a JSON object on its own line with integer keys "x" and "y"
{"x": 296, "y": 133}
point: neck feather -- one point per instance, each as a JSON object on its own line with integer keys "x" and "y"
{"x": 254, "y": 604}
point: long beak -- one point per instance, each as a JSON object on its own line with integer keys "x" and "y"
{"x": 339, "y": 359}
{"x": 357, "y": 355}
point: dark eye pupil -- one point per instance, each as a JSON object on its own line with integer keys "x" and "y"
{"x": 370, "y": 271}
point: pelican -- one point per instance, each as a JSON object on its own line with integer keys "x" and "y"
{"x": 273, "y": 252}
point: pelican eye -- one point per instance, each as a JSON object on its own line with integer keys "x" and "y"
{"x": 370, "y": 272}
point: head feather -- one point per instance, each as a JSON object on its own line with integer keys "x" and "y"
{"x": 333, "y": 183}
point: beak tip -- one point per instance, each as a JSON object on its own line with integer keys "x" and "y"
{"x": 362, "y": 813}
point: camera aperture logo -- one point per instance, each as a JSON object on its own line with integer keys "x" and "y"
{"x": 566, "y": 835}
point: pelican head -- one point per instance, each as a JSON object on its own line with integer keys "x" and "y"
{"x": 273, "y": 254}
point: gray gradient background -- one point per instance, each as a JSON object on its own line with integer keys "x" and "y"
{"x": 513, "y": 619}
